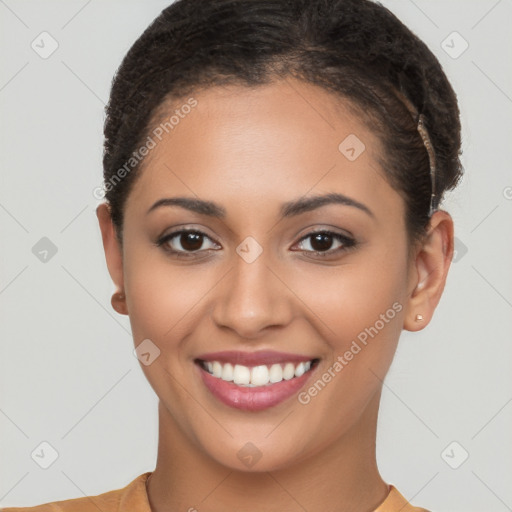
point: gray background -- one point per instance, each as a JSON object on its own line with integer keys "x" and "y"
{"x": 67, "y": 372}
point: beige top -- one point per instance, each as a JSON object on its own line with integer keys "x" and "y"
{"x": 133, "y": 498}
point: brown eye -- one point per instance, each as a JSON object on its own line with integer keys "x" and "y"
{"x": 191, "y": 241}
{"x": 321, "y": 242}
{"x": 185, "y": 242}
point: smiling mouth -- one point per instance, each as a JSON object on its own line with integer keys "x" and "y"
{"x": 257, "y": 376}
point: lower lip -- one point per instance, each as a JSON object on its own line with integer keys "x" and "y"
{"x": 253, "y": 399}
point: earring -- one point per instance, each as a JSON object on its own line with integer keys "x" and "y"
{"x": 118, "y": 303}
{"x": 419, "y": 318}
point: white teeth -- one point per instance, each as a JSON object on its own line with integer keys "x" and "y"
{"x": 257, "y": 375}
{"x": 289, "y": 371}
{"x": 227, "y": 372}
{"x": 299, "y": 370}
{"x": 260, "y": 375}
{"x": 241, "y": 374}
{"x": 276, "y": 373}
{"x": 217, "y": 369}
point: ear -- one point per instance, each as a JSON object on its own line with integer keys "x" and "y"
{"x": 428, "y": 271}
{"x": 113, "y": 255}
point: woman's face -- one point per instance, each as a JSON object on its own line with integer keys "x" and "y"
{"x": 251, "y": 281}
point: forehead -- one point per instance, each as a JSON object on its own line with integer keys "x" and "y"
{"x": 275, "y": 141}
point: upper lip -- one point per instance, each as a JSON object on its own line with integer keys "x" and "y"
{"x": 261, "y": 357}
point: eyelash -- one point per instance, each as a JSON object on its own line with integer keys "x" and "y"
{"x": 348, "y": 243}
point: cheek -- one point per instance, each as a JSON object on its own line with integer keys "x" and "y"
{"x": 162, "y": 296}
{"x": 164, "y": 302}
{"x": 350, "y": 298}
{"x": 357, "y": 309}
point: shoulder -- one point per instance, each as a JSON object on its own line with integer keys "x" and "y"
{"x": 133, "y": 497}
{"x": 395, "y": 502}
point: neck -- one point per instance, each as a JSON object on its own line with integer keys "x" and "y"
{"x": 342, "y": 476}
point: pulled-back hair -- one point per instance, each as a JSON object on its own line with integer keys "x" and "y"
{"x": 357, "y": 49}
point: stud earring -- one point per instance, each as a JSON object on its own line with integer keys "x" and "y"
{"x": 419, "y": 318}
{"x": 118, "y": 303}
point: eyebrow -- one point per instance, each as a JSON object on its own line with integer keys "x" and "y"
{"x": 289, "y": 209}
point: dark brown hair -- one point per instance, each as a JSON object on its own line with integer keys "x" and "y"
{"x": 357, "y": 49}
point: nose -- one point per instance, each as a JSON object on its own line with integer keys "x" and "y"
{"x": 252, "y": 298}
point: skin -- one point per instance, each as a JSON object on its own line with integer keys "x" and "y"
{"x": 250, "y": 151}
